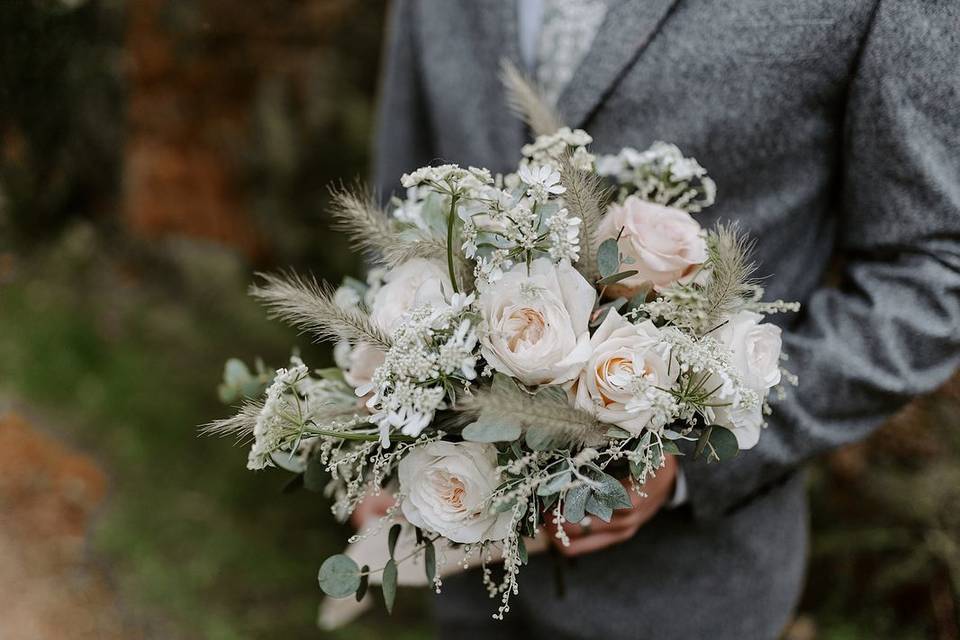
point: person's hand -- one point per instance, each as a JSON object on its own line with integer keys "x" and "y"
{"x": 587, "y": 538}
{"x": 373, "y": 506}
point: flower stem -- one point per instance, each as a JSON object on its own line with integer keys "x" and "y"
{"x": 450, "y": 224}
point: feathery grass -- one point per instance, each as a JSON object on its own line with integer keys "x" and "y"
{"x": 731, "y": 269}
{"x": 239, "y": 425}
{"x": 548, "y": 411}
{"x": 527, "y": 102}
{"x": 356, "y": 213}
{"x": 586, "y": 196}
{"x": 308, "y": 305}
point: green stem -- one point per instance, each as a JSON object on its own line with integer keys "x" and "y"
{"x": 353, "y": 435}
{"x": 450, "y": 225}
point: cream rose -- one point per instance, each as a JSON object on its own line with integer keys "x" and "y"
{"x": 666, "y": 244}
{"x": 411, "y": 284}
{"x": 535, "y": 322}
{"x": 755, "y": 350}
{"x": 447, "y": 487}
{"x": 621, "y": 352}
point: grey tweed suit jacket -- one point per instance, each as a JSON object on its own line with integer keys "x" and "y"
{"x": 832, "y": 129}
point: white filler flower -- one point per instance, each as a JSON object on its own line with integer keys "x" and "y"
{"x": 447, "y": 488}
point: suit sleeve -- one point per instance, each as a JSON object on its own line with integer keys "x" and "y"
{"x": 891, "y": 329}
{"x": 403, "y": 139}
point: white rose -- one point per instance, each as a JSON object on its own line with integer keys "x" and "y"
{"x": 755, "y": 347}
{"x": 755, "y": 350}
{"x": 408, "y": 286}
{"x": 666, "y": 244}
{"x": 535, "y": 323}
{"x": 622, "y": 351}
{"x": 447, "y": 488}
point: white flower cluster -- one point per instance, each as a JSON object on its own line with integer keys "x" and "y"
{"x": 448, "y": 178}
{"x": 273, "y": 422}
{"x": 661, "y": 174}
{"x": 550, "y": 149}
{"x": 431, "y": 346}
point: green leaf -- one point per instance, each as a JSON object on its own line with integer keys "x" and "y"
{"x": 333, "y": 374}
{"x": 392, "y": 538}
{"x": 553, "y": 485}
{"x": 522, "y": 551}
{"x": 617, "y": 277}
{"x": 339, "y": 576}
{"x": 574, "y": 507}
{"x": 364, "y": 582}
{"x": 491, "y": 429}
{"x": 616, "y": 432}
{"x": 540, "y": 438}
{"x": 315, "y": 475}
{"x": 430, "y": 561}
{"x": 608, "y": 257}
{"x": 656, "y": 456}
{"x": 611, "y": 492}
{"x": 235, "y": 372}
{"x": 597, "y": 508}
{"x": 670, "y": 447}
{"x": 389, "y": 584}
{"x": 724, "y": 443}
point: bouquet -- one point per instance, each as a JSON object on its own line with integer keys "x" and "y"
{"x": 528, "y": 347}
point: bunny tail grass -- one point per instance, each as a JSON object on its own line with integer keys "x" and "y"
{"x": 731, "y": 271}
{"x": 527, "y": 102}
{"x": 307, "y": 305}
{"x": 586, "y": 197}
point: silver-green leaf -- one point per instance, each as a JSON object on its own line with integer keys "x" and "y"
{"x": 339, "y": 576}
{"x": 389, "y": 584}
{"x": 608, "y": 257}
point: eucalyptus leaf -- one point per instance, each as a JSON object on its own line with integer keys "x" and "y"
{"x": 617, "y": 277}
{"x": 611, "y": 492}
{"x": 430, "y": 561}
{"x": 597, "y": 508}
{"x": 554, "y": 485}
{"x": 364, "y": 582}
{"x": 339, "y": 576}
{"x": 574, "y": 507}
{"x": 541, "y": 438}
{"x": 522, "y": 551}
{"x": 613, "y": 431}
{"x": 491, "y": 429}
{"x": 608, "y": 257}
{"x": 670, "y": 447}
{"x": 392, "y": 538}
{"x": 389, "y": 584}
{"x": 724, "y": 443}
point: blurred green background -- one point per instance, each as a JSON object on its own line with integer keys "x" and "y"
{"x": 153, "y": 155}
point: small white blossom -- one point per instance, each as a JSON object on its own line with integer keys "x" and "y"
{"x": 542, "y": 181}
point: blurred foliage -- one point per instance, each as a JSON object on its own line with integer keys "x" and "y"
{"x": 60, "y": 114}
{"x": 118, "y": 348}
{"x": 138, "y": 124}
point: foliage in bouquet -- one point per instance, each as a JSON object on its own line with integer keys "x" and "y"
{"x": 528, "y": 347}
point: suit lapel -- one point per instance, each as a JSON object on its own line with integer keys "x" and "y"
{"x": 625, "y": 33}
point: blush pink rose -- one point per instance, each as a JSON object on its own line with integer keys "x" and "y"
{"x": 666, "y": 244}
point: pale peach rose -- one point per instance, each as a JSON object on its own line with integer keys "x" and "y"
{"x": 622, "y": 351}
{"x": 666, "y": 244}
